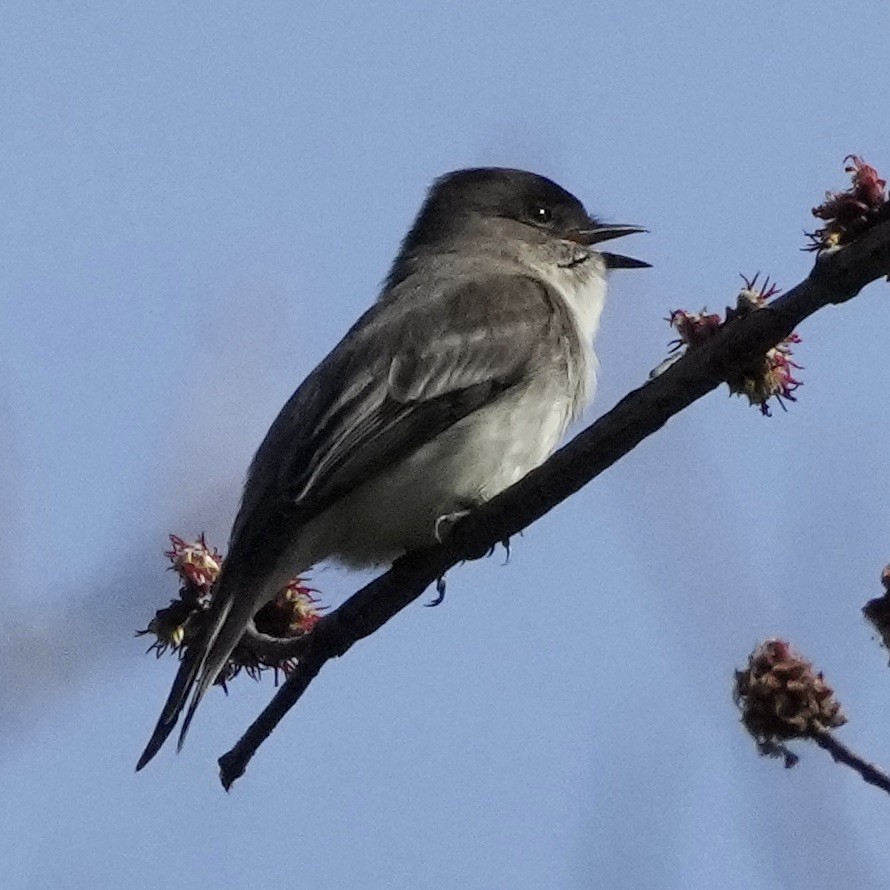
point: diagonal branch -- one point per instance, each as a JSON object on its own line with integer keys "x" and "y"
{"x": 837, "y": 276}
{"x": 870, "y": 773}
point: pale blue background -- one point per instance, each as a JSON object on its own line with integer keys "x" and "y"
{"x": 196, "y": 200}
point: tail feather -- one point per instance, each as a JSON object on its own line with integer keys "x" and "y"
{"x": 232, "y": 609}
{"x": 228, "y": 633}
{"x": 238, "y": 603}
{"x": 198, "y": 662}
{"x": 182, "y": 684}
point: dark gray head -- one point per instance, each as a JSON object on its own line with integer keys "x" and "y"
{"x": 466, "y": 202}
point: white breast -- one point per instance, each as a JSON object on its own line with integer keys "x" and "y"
{"x": 583, "y": 290}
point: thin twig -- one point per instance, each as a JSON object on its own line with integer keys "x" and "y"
{"x": 274, "y": 650}
{"x": 870, "y": 773}
{"x": 836, "y": 277}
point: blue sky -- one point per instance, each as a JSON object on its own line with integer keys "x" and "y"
{"x": 197, "y": 201}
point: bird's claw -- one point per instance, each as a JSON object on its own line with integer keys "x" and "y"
{"x": 440, "y": 593}
{"x": 505, "y": 544}
{"x": 445, "y": 522}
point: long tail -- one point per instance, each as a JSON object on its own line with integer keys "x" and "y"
{"x": 182, "y": 685}
{"x": 238, "y": 614}
{"x": 231, "y": 612}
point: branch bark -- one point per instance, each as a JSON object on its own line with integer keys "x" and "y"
{"x": 837, "y": 276}
{"x": 870, "y": 773}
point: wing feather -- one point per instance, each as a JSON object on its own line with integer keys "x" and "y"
{"x": 401, "y": 376}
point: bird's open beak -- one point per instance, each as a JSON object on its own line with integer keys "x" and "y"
{"x": 599, "y": 233}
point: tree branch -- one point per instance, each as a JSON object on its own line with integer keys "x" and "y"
{"x": 837, "y": 276}
{"x": 870, "y": 773}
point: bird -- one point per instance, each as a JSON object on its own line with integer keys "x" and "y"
{"x": 460, "y": 378}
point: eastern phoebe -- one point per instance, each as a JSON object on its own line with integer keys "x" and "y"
{"x": 461, "y": 378}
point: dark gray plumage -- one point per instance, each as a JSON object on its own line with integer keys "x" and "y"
{"x": 461, "y": 378}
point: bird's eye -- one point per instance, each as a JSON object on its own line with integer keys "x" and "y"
{"x": 541, "y": 214}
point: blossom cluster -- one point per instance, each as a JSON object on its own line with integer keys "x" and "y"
{"x": 294, "y": 611}
{"x": 848, "y": 214}
{"x": 782, "y": 697}
{"x": 760, "y": 381}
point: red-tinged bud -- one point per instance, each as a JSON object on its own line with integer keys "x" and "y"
{"x": 843, "y": 207}
{"x": 693, "y": 327}
{"x": 196, "y": 564}
{"x": 850, "y": 213}
{"x": 774, "y": 379}
{"x": 764, "y": 379}
{"x": 752, "y": 297}
{"x": 868, "y": 187}
{"x": 782, "y": 697}
{"x": 293, "y": 612}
